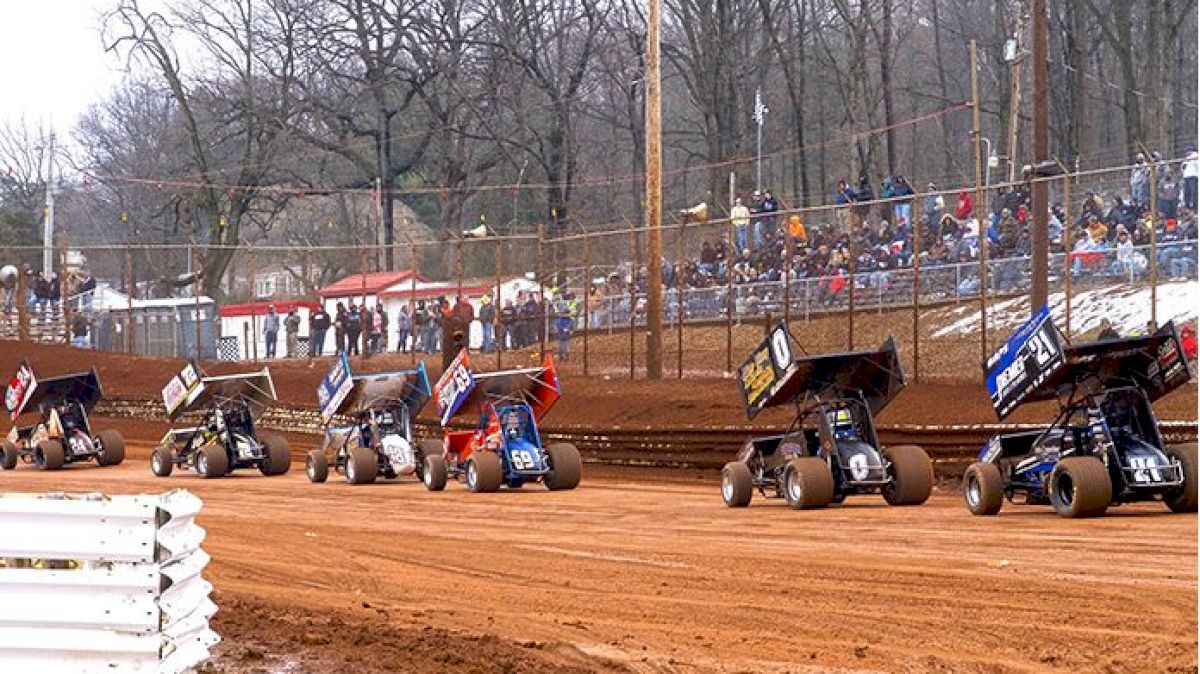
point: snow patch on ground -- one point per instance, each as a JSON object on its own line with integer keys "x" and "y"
{"x": 1127, "y": 306}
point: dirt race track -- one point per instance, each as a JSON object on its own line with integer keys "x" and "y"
{"x": 656, "y": 575}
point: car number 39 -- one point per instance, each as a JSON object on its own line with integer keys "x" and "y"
{"x": 522, "y": 459}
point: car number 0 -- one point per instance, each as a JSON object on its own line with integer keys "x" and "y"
{"x": 781, "y": 350}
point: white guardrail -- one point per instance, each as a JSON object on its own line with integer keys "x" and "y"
{"x": 91, "y": 583}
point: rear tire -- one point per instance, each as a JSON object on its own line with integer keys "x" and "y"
{"x": 485, "y": 472}
{"x": 279, "y": 454}
{"x": 808, "y": 483}
{"x": 8, "y": 455}
{"x": 1182, "y": 499}
{"x": 112, "y": 448}
{"x": 1080, "y": 487}
{"x": 737, "y": 484}
{"x": 49, "y": 455}
{"x": 361, "y": 466}
{"x": 161, "y": 462}
{"x": 433, "y": 472}
{"x": 316, "y": 466}
{"x": 212, "y": 461}
{"x": 983, "y": 488}
{"x": 566, "y": 466}
{"x": 911, "y": 474}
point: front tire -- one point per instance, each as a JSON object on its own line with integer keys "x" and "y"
{"x": 279, "y": 454}
{"x": 808, "y": 483}
{"x": 911, "y": 474}
{"x": 8, "y": 455}
{"x": 737, "y": 484}
{"x": 1080, "y": 487}
{"x": 484, "y": 472}
{"x": 49, "y": 455}
{"x": 983, "y": 488}
{"x": 316, "y": 467}
{"x": 361, "y": 466}
{"x": 433, "y": 471}
{"x": 112, "y": 448}
{"x": 566, "y": 466}
{"x": 1182, "y": 499}
{"x": 212, "y": 461}
{"x": 161, "y": 462}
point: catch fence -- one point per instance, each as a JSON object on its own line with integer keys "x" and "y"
{"x": 589, "y": 286}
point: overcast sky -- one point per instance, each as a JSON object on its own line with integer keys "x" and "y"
{"x": 52, "y": 60}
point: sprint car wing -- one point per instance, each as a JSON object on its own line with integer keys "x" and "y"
{"x": 407, "y": 387}
{"x": 81, "y": 387}
{"x": 1155, "y": 363}
{"x": 256, "y": 388}
{"x": 462, "y": 390}
{"x": 773, "y": 375}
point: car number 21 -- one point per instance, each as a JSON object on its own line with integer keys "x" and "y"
{"x": 522, "y": 459}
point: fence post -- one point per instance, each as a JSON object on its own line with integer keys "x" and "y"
{"x": 916, "y": 235}
{"x": 253, "y": 339}
{"x": 365, "y": 334}
{"x": 412, "y": 300}
{"x": 587, "y": 293}
{"x": 541, "y": 276}
{"x": 679, "y": 302}
{"x": 789, "y": 249}
{"x": 64, "y": 287}
{"x": 22, "y": 305}
{"x": 853, "y": 274}
{"x": 1153, "y": 241}
{"x": 633, "y": 248}
{"x": 729, "y": 254}
{"x": 497, "y": 336}
{"x": 1066, "y": 246}
{"x": 196, "y": 296}
{"x": 128, "y": 299}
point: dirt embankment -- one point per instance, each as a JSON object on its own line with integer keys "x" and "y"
{"x": 600, "y": 402}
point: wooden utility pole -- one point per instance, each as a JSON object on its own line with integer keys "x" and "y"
{"x": 654, "y": 303}
{"x": 1014, "y": 107}
{"x": 977, "y": 209}
{"x": 1038, "y": 291}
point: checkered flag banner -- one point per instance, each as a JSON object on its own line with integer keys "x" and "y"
{"x": 229, "y": 348}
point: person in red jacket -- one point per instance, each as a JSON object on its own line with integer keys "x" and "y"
{"x": 965, "y": 205}
{"x": 1187, "y": 337}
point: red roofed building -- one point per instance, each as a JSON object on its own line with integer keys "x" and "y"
{"x": 352, "y": 286}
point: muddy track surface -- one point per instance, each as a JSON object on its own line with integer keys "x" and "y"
{"x": 636, "y": 574}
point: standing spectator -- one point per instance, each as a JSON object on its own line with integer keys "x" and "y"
{"x": 487, "y": 322}
{"x": 354, "y": 328}
{"x": 370, "y": 330}
{"x": 420, "y": 321}
{"x": 508, "y": 325}
{"x": 1168, "y": 195}
{"x": 1191, "y": 172}
{"x": 380, "y": 318}
{"x": 271, "y": 330}
{"x": 1139, "y": 181}
{"x": 85, "y": 288}
{"x": 533, "y": 320}
{"x": 765, "y": 226}
{"x": 79, "y": 331}
{"x": 739, "y": 215}
{"x": 55, "y": 294}
{"x": 291, "y": 326}
{"x": 403, "y": 327}
{"x": 563, "y": 322}
{"x": 339, "y": 328}
{"x": 318, "y": 325}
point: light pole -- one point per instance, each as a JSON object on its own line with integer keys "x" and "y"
{"x": 760, "y": 116}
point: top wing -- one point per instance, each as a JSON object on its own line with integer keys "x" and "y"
{"x": 773, "y": 375}
{"x": 407, "y": 387}
{"x": 256, "y": 388}
{"x": 1023, "y": 363}
{"x": 461, "y": 389}
{"x": 26, "y": 391}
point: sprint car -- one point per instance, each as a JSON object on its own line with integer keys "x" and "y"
{"x": 830, "y": 450}
{"x": 1104, "y": 447}
{"x": 62, "y": 434}
{"x": 225, "y": 436}
{"x": 378, "y": 441}
{"x": 505, "y": 447}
